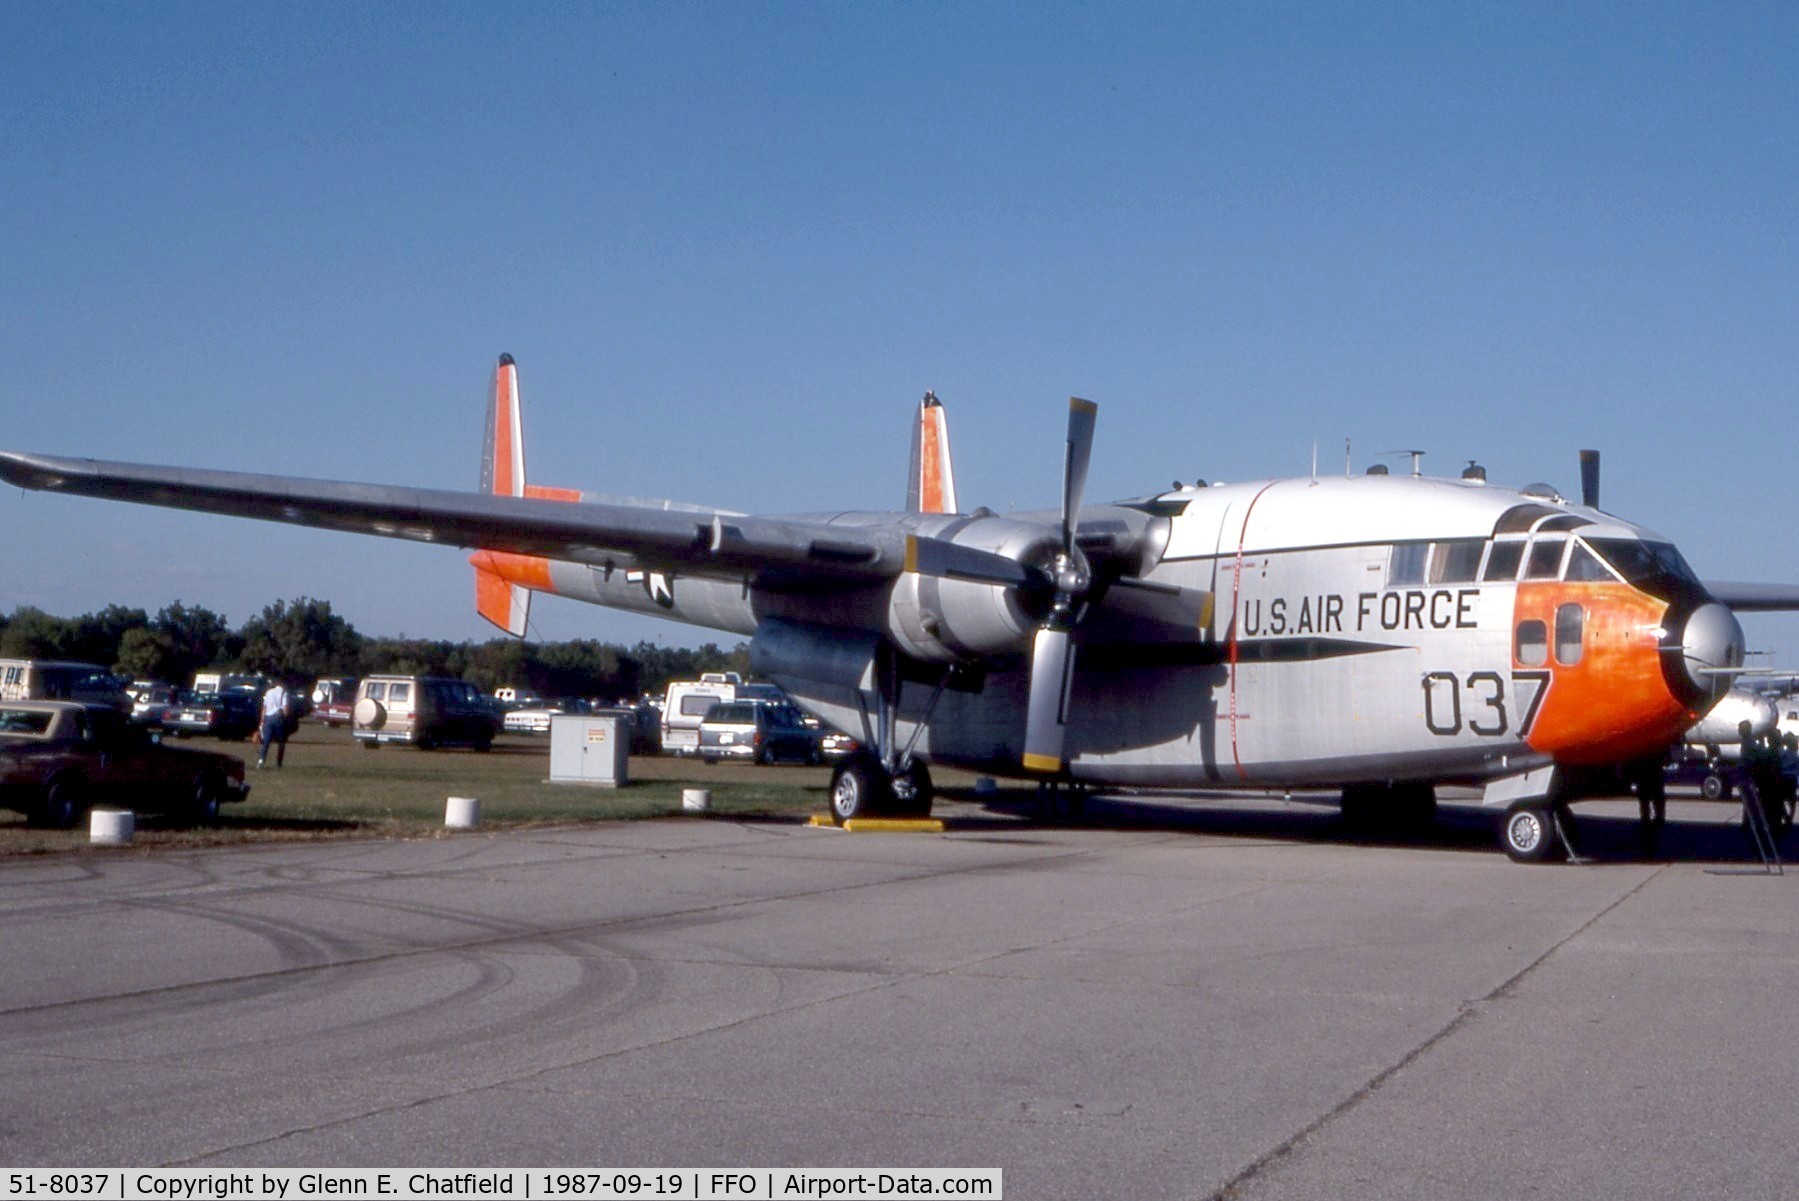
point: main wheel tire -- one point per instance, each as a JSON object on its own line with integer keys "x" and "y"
{"x": 1713, "y": 787}
{"x": 913, "y": 791}
{"x": 859, "y": 788}
{"x": 1528, "y": 834}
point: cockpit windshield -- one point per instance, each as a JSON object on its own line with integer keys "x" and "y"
{"x": 1640, "y": 562}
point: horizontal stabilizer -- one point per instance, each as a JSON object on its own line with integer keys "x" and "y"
{"x": 505, "y": 604}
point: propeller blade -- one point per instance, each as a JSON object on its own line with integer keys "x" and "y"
{"x": 935, "y": 557}
{"x": 1177, "y": 613}
{"x": 1081, "y": 417}
{"x": 1589, "y": 478}
{"x": 1046, "y": 716}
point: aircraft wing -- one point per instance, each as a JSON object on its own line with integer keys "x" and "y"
{"x": 1754, "y": 598}
{"x": 699, "y": 541}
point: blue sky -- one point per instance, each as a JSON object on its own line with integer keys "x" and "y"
{"x": 731, "y": 245}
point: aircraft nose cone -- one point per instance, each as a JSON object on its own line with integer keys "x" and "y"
{"x": 1711, "y": 648}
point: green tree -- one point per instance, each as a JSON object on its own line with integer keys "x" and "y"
{"x": 301, "y": 637}
{"x": 147, "y": 653}
{"x": 95, "y": 637}
{"x": 32, "y": 633}
{"x": 198, "y": 638}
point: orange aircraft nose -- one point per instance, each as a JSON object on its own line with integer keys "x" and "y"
{"x": 1628, "y": 672}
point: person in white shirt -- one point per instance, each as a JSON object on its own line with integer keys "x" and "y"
{"x": 275, "y": 714}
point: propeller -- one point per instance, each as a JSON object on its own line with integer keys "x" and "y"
{"x": 1052, "y": 650}
{"x": 1589, "y": 478}
{"x": 1146, "y": 611}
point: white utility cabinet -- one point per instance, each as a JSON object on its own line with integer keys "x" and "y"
{"x": 589, "y": 750}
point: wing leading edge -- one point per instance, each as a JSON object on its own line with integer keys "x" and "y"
{"x": 697, "y": 540}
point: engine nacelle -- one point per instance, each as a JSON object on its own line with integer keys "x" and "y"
{"x": 952, "y": 620}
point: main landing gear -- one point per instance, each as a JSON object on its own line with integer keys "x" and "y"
{"x": 861, "y": 786}
{"x": 885, "y": 779}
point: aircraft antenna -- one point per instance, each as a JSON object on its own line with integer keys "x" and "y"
{"x": 1417, "y": 459}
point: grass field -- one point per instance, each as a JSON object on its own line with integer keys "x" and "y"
{"x": 333, "y": 787}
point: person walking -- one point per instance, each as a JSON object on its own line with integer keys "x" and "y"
{"x": 277, "y": 707}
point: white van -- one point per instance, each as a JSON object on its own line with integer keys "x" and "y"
{"x": 423, "y": 711}
{"x": 221, "y": 681}
{"x": 686, "y": 703}
{"x": 61, "y": 680}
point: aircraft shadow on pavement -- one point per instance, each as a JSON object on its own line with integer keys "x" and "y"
{"x": 1602, "y": 837}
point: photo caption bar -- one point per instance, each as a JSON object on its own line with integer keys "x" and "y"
{"x": 514, "y": 1184}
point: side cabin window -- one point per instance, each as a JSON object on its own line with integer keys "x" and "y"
{"x": 1503, "y": 562}
{"x": 1455, "y": 562}
{"x": 1407, "y": 564}
{"x": 1569, "y": 622}
{"x": 1532, "y": 647}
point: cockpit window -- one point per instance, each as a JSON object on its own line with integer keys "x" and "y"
{"x": 1584, "y": 566}
{"x": 1639, "y": 562}
{"x": 1503, "y": 560}
{"x": 1545, "y": 561}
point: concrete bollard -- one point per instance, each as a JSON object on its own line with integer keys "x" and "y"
{"x": 111, "y": 827}
{"x": 696, "y": 800}
{"x": 462, "y": 813}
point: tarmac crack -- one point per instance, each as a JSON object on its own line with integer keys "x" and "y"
{"x": 1231, "y": 1189}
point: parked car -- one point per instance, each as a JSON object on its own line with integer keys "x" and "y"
{"x": 59, "y": 757}
{"x": 334, "y": 700}
{"x": 232, "y": 716}
{"x": 149, "y": 699}
{"x": 426, "y": 711}
{"x": 835, "y": 744}
{"x": 535, "y": 719}
{"x": 756, "y": 731}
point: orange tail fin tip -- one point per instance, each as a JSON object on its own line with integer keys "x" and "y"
{"x": 931, "y": 486}
{"x": 500, "y": 600}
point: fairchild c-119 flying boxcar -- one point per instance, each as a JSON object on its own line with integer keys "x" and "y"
{"x": 1380, "y": 634}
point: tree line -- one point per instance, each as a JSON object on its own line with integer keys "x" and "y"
{"x": 304, "y": 638}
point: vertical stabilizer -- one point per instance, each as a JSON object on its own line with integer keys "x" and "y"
{"x": 931, "y": 484}
{"x": 498, "y": 599}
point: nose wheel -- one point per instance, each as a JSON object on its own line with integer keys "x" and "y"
{"x": 1531, "y": 834}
